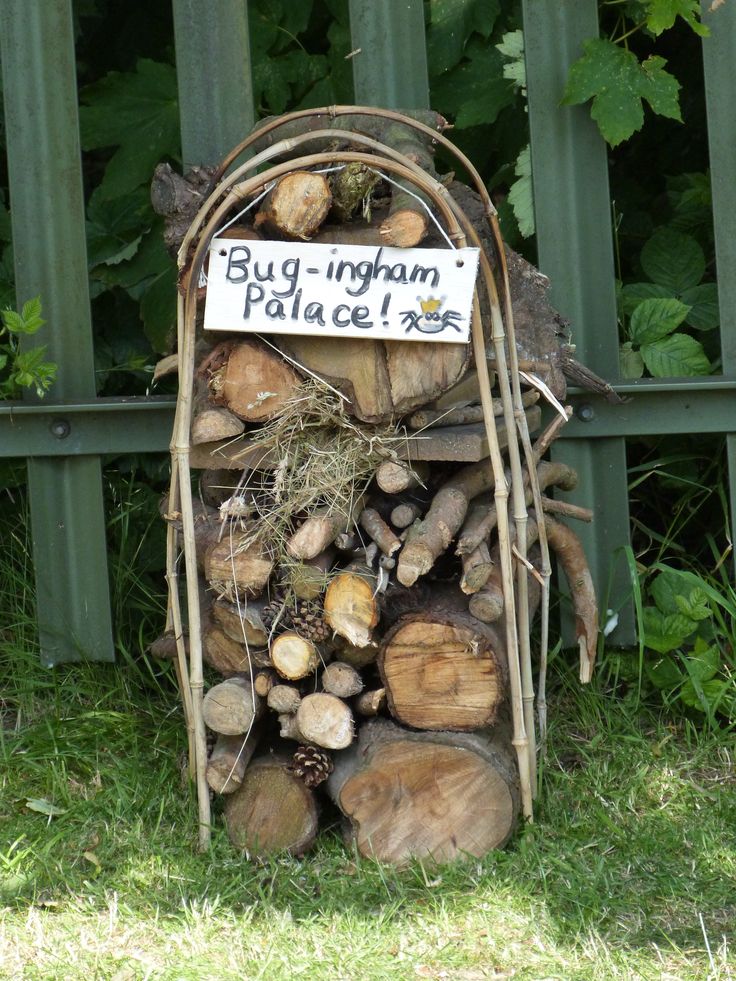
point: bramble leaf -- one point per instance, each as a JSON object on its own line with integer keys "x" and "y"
{"x": 633, "y": 293}
{"x": 630, "y": 361}
{"x": 617, "y": 83}
{"x": 665, "y": 632}
{"x": 678, "y": 356}
{"x": 703, "y": 302}
{"x": 656, "y": 318}
{"x": 673, "y": 260}
{"x": 521, "y": 197}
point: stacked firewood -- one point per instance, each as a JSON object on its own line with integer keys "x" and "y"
{"x": 350, "y": 592}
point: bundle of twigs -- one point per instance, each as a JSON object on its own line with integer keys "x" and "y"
{"x": 520, "y": 471}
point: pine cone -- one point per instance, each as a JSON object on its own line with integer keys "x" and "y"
{"x": 312, "y": 765}
{"x": 309, "y": 622}
{"x": 276, "y": 610}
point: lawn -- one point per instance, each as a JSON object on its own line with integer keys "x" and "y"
{"x": 628, "y": 872}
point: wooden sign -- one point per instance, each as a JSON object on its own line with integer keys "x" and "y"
{"x": 340, "y": 291}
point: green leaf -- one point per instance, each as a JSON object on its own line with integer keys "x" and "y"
{"x": 673, "y": 260}
{"x": 158, "y": 310}
{"x": 631, "y": 362}
{"x": 656, "y": 318}
{"x": 695, "y": 605}
{"x": 633, "y": 293}
{"x": 708, "y": 696}
{"x": 679, "y": 356}
{"x": 150, "y": 260}
{"x": 521, "y": 195}
{"x": 705, "y": 661}
{"x": 663, "y": 673}
{"x": 451, "y": 24}
{"x": 661, "y": 15}
{"x": 138, "y": 113}
{"x": 475, "y": 91}
{"x": 617, "y": 82}
{"x": 665, "y": 632}
{"x": 703, "y": 302}
{"x": 13, "y": 321}
{"x": 665, "y": 589}
{"x": 512, "y": 48}
{"x": 115, "y": 227}
{"x": 43, "y": 806}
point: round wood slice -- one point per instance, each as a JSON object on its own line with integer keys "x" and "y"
{"x": 442, "y": 670}
{"x": 420, "y": 795}
{"x": 272, "y": 810}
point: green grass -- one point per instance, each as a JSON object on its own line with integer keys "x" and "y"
{"x": 634, "y": 843}
{"x": 635, "y": 840}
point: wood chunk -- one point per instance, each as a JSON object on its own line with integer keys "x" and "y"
{"x": 325, "y": 721}
{"x": 373, "y": 524}
{"x": 404, "y": 228}
{"x": 443, "y": 796}
{"x": 395, "y": 476}
{"x": 404, "y": 515}
{"x": 272, "y": 811}
{"x": 227, "y": 655}
{"x": 254, "y": 383}
{"x": 228, "y": 761}
{"x": 211, "y": 422}
{"x": 231, "y": 707}
{"x": 243, "y": 625}
{"x": 294, "y": 657}
{"x": 443, "y": 670}
{"x": 350, "y": 605}
{"x": 341, "y": 679}
{"x": 370, "y": 703}
{"x": 284, "y": 699}
{"x": 246, "y": 567}
{"x": 297, "y": 206}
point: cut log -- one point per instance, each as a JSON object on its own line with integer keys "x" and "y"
{"x": 272, "y": 811}
{"x": 404, "y": 515}
{"x": 228, "y": 761}
{"x": 254, "y": 383}
{"x": 351, "y": 607}
{"x": 370, "y": 703}
{"x": 325, "y": 720}
{"x": 227, "y": 656}
{"x": 211, "y": 422}
{"x": 232, "y": 566}
{"x": 461, "y": 415}
{"x": 376, "y": 528}
{"x": 443, "y": 670}
{"x": 487, "y": 603}
{"x": 297, "y": 206}
{"x": 244, "y": 624}
{"x": 264, "y": 681}
{"x": 231, "y": 707}
{"x": 284, "y": 699}
{"x": 307, "y": 580}
{"x": 442, "y": 796}
{"x": 404, "y": 228}
{"x": 429, "y": 539}
{"x": 357, "y": 657}
{"x": 477, "y": 568}
{"x": 319, "y": 531}
{"x": 294, "y": 657}
{"x": 395, "y": 476}
{"x": 164, "y": 647}
{"x": 341, "y": 679}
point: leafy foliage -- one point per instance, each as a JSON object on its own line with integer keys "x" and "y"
{"x": 617, "y": 81}
{"x": 27, "y": 368}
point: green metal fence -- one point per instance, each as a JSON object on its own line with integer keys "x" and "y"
{"x": 63, "y": 437}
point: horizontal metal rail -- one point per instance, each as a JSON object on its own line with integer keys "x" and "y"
{"x": 143, "y": 425}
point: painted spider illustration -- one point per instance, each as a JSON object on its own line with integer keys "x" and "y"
{"x": 430, "y": 322}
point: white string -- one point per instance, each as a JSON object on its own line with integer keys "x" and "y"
{"x": 426, "y": 207}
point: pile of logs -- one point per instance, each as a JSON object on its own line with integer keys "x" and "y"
{"x": 358, "y": 652}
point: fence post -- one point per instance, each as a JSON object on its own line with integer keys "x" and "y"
{"x": 575, "y": 249}
{"x": 47, "y": 206}
{"x": 213, "y": 76}
{"x": 719, "y": 57}
{"x": 390, "y": 60}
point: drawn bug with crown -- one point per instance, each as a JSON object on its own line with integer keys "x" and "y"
{"x": 431, "y": 319}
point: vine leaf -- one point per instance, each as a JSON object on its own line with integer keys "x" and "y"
{"x": 138, "y": 113}
{"x": 662, "y": 14}
{"x": 475, "y": 91}
{"x": 617, "y": 82}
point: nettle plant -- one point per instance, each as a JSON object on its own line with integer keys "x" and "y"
{"x": 27, "y": 368}
{"x": 687, "y": 633}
